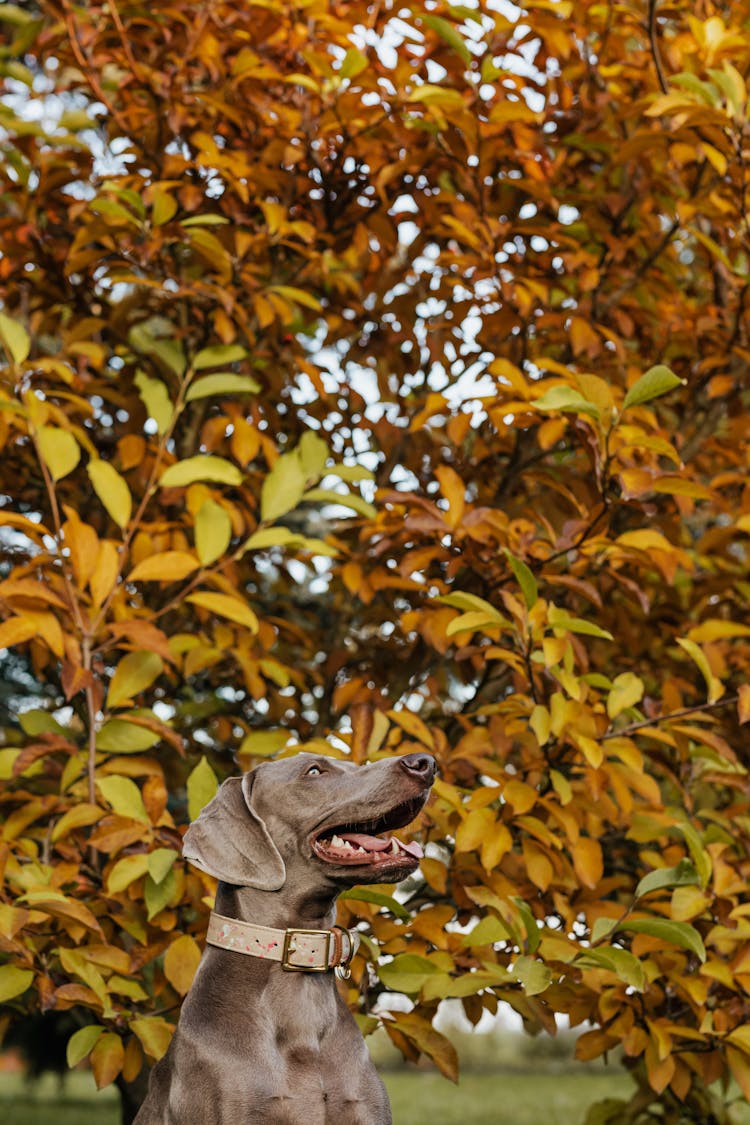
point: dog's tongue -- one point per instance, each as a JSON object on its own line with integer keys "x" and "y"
{"x": 376, "y": 844}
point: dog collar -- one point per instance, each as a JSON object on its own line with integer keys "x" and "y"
{"x": 299, "y": 951}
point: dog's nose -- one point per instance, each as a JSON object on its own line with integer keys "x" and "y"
{"x": 420, "y": 765}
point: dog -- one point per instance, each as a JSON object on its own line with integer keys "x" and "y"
{"x": 264, "y": 1036}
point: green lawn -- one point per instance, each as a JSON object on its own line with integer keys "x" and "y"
{"x": 417, "y": 1097}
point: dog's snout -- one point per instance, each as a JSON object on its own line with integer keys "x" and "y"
{"x": 420, "y": 765}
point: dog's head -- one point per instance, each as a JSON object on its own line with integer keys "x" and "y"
{"x": 329, "y": 818}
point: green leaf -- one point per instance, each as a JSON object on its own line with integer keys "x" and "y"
{"x": 158, "y": 895}
{"x": 471, "y": 622}
{"x": 559, "y": 619}
{"x": 620, "y": 961}
{"x": 524, "y": 578}
{"x": 81, "y": 1043}
{"x": 59, "y": 449}
{"x": 124, "y": 796}
{"x": 345, "y": 499}
{"x": 118, "y": 736}
{"x": 701, "y": 858}
{"x": 263, "y": 743}
{"x": 222, "y": 383}
{"x": 200, "y": 468}
{"x": 487, "y": 932}
{"x": 675, "y": 933}
{"x": 450, "y": 35}
{"x": 602, "y": 928}
{"x": 163, "y": 208}
{"x": 112, "y": 490}
{"x": 468, "y": 602}
{"x": 13, "y": 981}
{"x": 15, "y": 339}
{"x": 135, "y": 672}
{"x": 313, "y": 453}
{"x": 218, "y": 355}
{"x": 202, "y": 784}
{"x": 353, "y": 64}
{"x": 533, "y": 975}
{"x": 377, "y": 898}
{"x": 160, "y": 863}
{"x": 627, "y": 690}
{"x": 283, "y": 487}
{"x": 533, "y": 934}
{"x": 155, "y": 397}
{"x": 272, "y": 537}
{"x": 407, "y": 973}
{"x": 657, "y": 381}
{"x": 565, "y": 400}
{"x": 126, "y": 871}
{"x": 683, "y": 875}
{"x": 36, "y": 722}
{"x": 213, "y": 532}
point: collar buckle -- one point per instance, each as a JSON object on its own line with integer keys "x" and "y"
{"x": 302, "y": 945}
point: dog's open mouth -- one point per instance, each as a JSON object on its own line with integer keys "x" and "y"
{"x": 369, "y": 843}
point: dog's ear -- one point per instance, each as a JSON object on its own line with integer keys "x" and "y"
{"x": 230, "y": 840}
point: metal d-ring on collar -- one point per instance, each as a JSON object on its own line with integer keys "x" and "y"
{"x": 298, "y": 950}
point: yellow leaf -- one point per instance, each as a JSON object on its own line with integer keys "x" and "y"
{"x": 213, "y": 532}
{"x": 540, "y": 723}
{"x": 473, "y": 831}
{"x": 716, "y": 629}
{"x": 168, "y": 566}
{"x": 59, "y": 449}
{"x": 715, "y": 686}
{"x": 155, "y": 398}
{"x": 107, "y": 1058}
{"x": 154, "y": 1033}
{"x": 226, "y": 606}
{"x": 13, "y": 981}
{"x": 133, "y": 674}
{"x": 413, "y": 725}
{"x": 181, "y": 963}
{"x": 104, "y": 574}
{"x": 16, "y": 630}
{"x": 283, "y": 488}
{"x": 202, "y": 784}
{"x": 78, "y": 817}
{"x": 627, "y": 690}
{"x": 521, "y": 796}
{"x": 112, "y": 490}
{"x": 164, "y": 206}
{"x": 124, "y": 796}
{"x": 14, "y": 338}
{"x": 743, "y": 703}
{"x": 126, "y": 871}
{"x": 200, "y": 467}
{"x": 588, "y": 861}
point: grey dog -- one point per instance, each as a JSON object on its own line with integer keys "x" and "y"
{"x": 266, "y": 1038}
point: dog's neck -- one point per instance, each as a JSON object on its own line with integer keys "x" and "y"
{"x": 280, "y": 909}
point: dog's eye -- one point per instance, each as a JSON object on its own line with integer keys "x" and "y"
{"x": 313, "y": 770}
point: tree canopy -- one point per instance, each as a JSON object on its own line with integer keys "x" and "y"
{"x": 375, "y": 378}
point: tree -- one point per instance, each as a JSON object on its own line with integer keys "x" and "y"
{"x": 375, "y": 379}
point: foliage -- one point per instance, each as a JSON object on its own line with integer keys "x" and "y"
{"x": 257, "y": 256}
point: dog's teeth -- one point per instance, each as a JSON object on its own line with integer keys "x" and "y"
{"x": 362, "y": 851}
{"x": 394, "y": 847}
{"x": 337, "y": 842}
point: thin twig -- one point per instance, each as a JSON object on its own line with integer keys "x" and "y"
{"x": 682, "y": 713}
{"x": 655, "y": 47}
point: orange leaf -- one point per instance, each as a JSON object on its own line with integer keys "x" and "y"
{"x": 588, "y": 861}
{"x": 107, "y": 1059}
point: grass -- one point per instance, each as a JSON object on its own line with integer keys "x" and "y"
{"x": 417, "y": 1097}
